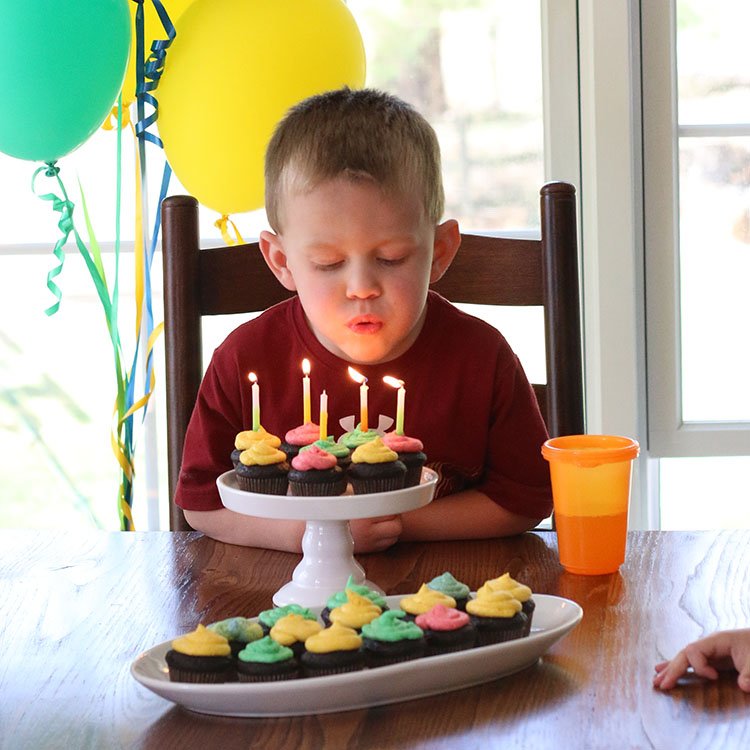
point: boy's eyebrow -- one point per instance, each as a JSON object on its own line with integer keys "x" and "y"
{"x": 407, "y": 239}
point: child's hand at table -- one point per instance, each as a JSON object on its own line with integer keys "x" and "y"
{"x": 720, "y": 651}
{"x": 375, "y": 534}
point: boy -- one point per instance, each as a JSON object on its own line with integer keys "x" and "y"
{"x": 354, "y": 197}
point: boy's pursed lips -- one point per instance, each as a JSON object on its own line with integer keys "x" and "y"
{"x": 364, "y": 324}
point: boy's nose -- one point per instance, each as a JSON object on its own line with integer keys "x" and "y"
{"x": 362, "y": 283}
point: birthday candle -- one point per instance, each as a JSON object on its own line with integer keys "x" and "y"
{"x": 400, "y": 401}
{"x": 362, "y": 397}
{"x": 324, "y": 416}
{"x": 306, "y": 411}
{"x": 253, "y": 378}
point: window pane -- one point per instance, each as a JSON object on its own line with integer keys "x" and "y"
{"x": 705, "y": 493}
{"x": 475, "y": 71}
{"x": 713, "y": 76}
{"x": 714, "y": 273}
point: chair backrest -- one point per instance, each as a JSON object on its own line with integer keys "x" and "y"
{"x": 518, "y": 272}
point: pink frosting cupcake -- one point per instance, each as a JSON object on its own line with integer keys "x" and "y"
{"x": 298, "y": 438}
{"x": 410, "y": 453}
{"x": 446, "y": 629}
{"x": 316, "y": 472}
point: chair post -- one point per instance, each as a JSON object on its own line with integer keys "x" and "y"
{"x": 565, "y": 405}
{"x": 183, "y": 352}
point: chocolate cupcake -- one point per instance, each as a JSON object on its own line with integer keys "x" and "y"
{"x": 342, "y": 453}
{"x": 446, "y": 630}
{"x": 315, "y": 473}
{"x": 266, "y": 660}
{"x": 201, "y": 656}
{"x": 335, "y": 650}
{"x": 423, "y": 601}
{"x": 375, "y": 468}
{"x": 239, "y": 631}
{"x": 299, "y": 437}
{"x": 293, "y": 630}
{"x": 269, "y": 617}
{"x": 352, "y": 440}
{"x": 409, "y": 451}
{"x": 518, "y": 590}
{"x": 356, "y": 612}
{"x": 390, "y": 639}
{"x": 340, "y": 597}
{"x": 445, "y": 583}
{"x": 497, "y": 616}
{"x": 246, "y": 438}
{"x": 263, "y": 469}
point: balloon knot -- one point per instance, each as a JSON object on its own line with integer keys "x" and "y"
{"x": 52, "y": 170}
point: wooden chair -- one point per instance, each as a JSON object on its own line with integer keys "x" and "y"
{"x": 519, "y": 272}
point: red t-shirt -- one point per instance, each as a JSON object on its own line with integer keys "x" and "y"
{"x": 467, "y": 399}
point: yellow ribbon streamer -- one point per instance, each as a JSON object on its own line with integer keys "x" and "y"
{"x": 221, "y": 225}
{"x": 111, "y": 122}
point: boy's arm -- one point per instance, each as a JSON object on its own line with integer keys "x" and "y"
{"x": 370, "y": 534}
{"x": 235, "y": 528}
{"x": 469, "y": 514}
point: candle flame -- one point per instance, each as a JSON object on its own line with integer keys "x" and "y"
{"x": 305, "y": 366}
{"x": 358, "y": 376}
{"x": 252, "y": 377}
{"x": 394, "y": 382}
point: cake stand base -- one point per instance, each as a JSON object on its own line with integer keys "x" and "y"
{"x": 327, "y": 562}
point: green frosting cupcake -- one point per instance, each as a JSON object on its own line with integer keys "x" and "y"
{"x": 391, "y": 627}
{"x": 356, "y": 437}
{"x": 331, "y": 446}
{"x": 265, "y": 660}
{"x": 265, "y": 651}
{"x": 445, "y": 583}
{"x": 390, "y": 639}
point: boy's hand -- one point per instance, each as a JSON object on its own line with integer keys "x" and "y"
{"x": 722, "y": 650}
{"x": 375, "y": 534}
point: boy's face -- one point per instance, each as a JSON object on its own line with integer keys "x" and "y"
{"x": 361, "y": 262}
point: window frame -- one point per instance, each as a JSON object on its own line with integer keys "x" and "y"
{"x": 669, "y": 434}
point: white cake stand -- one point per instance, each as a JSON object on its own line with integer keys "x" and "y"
{"x": 327, "y": 545}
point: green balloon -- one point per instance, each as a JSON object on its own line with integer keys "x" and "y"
{"x": 62, "y": 63}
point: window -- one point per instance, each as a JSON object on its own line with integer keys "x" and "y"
{"x": 696, "y": 149}
{"x": 474, "y": 67}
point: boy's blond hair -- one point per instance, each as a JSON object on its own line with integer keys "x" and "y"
{"x": 358, "y": 134}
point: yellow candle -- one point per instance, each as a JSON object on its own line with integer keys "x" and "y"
{"x": 306, "y": 411}
{"x": 324, "y": 416}
{"x": 253, "y": 378}
{"x": 362, "y": 397}
{"x": 400, "y": 401}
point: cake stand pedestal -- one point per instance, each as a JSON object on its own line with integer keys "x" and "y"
{"x": 327, "y": 545}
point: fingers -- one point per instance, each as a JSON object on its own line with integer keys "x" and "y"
{"x": 376, "y": 534}
{"x": 667, "y": 673}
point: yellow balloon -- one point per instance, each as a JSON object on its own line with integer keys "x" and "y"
{"x": 152, "y": 29}
{"x": 232, "y": 72}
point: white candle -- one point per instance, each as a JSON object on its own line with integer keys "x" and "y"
{"x": 400, "y": 401}
{"x": 253, "y": 378}
{"x": 306, "y": 409}
{"x": 323, "y": 416}
{"x": 360, "y": 378}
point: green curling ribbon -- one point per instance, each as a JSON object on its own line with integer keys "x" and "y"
{"x": 65, "y": 225}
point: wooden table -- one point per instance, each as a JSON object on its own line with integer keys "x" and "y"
{"x": 77, "y": 608}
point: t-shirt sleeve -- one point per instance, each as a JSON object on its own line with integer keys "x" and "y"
{"x": 209, "y": 438}
{"x": 516, "y": 475}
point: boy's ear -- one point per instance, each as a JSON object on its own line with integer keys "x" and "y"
{"x": 275, "y": 257}
{"x": 447, "y": 242}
